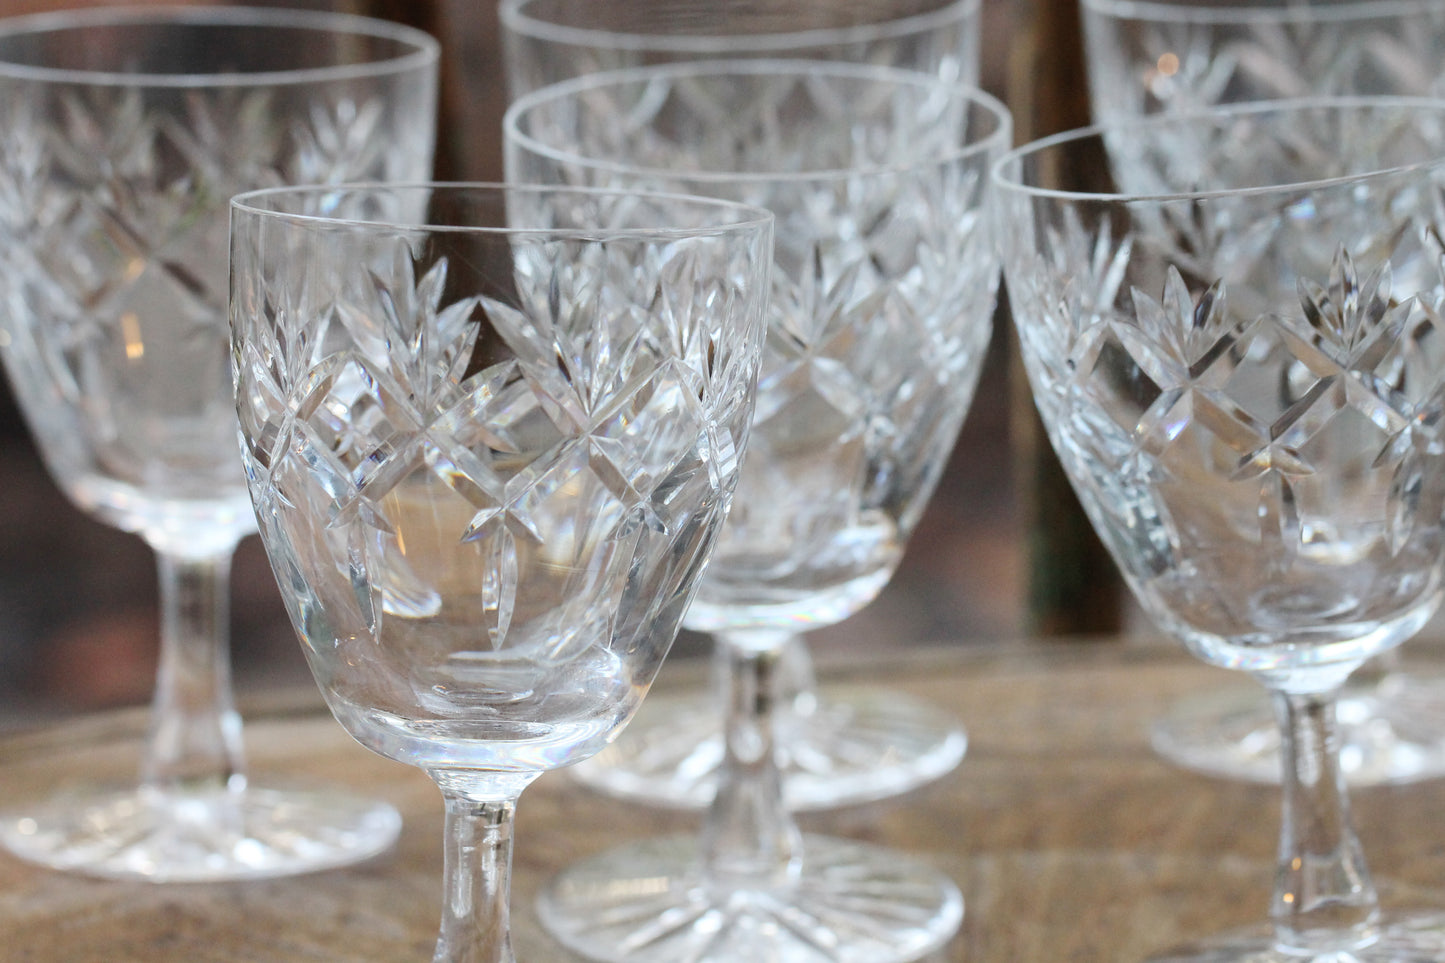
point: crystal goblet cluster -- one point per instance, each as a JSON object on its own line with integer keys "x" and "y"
{"x": 881, "y": 305}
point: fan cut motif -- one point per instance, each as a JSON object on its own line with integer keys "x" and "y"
{"x": 883, "y": 284}
{"x": 1141, "y": 66}
{"x": 113, "y": 240}
{"x": 486, "y": 495}
{"x": 1307, "y": 437}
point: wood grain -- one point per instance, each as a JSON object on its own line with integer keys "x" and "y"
{"x": 1069, "y": 838}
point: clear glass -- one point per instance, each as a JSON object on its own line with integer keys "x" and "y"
{"x": 884, "y": 285}
{"x": 1168, "y": 55}
{"x": 1243, "y": 378}
{"x": 123, "y": 133}
{"x": 491, "y": 436}
{"x": 838, "y": 745}
{"x": 1147, "y": 56}
{"x": 546, "y": 41}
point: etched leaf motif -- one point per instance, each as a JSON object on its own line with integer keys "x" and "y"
{"x": 1187, "y": 334}
{"x": 1347, "y": 313}
{"x": 1091, "y": 263}
{"x": 530, "y": 336}
{"x": 428, "y": 345}
{"x": 1260, "y": 59}
{"x": 340, "y": 143}
{"x": 113, "y": 211}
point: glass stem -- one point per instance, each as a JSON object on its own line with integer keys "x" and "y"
{"x": 749, "y": 838}
{"x": 195, "y": 731}
{"x": 1324, "y": 900}
{"x": 476, "y": 909}
{"x": 799, "y": 684}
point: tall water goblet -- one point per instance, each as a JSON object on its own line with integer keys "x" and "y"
{"x": 491, "y": 435}
{"x": 884, "y": 284}
{"x": 1243, "y": 374}
{"x": 123, "y": 134}
{"x": 1163, "y": 56}
{"x": 838, "y": 745}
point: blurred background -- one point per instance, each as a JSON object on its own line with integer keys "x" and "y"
{"x": 1001, "y": 553}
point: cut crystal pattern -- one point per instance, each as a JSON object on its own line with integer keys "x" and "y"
{"x": 114, "y": 250}
{"x": 1140, "y": 65}
{"x": 883, "y": 288}
{"x": 1253, "y": 425}
{"x": 481, "y": 501}
{"x": 616, "y": 36}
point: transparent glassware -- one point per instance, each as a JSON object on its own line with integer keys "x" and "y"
{"x": 1175, "y": 56}
{"x": 1150, "y": 56}
{"x": 1243, "y": 374}
{"x": 491, "y": 435}
{"x": 123, "y": 134}
{"x": 884, "y": 283}
{"x": 839, "y": 745}
{"x": 547, "y": 41}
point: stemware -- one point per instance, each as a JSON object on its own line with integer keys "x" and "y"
{"x": 883, "y": 289}
{"x": 123, "y": 133}
{"x": 1243, "y": 373}
{"x": 838, "y": 745}
{"x": 1148, "y": 56}
{"x": 491, "y": 435}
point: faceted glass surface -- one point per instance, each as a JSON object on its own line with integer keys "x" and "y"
{"x": 113, "y": 245}
{"x": 490, "y": 464}
{"x": 547, "y": 41}
{"x": 1246, "y": 387}
{"x": 1179, "y": 56}
{"x": 883, "y": 289}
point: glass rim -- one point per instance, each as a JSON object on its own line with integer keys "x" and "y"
{"x": 1283, "y": 11}
{"x": 747, "y": 217}
{"x": 513, "y": 17}
{"x": 1000, "y": 135}
{"x": 1002, "y": 179}
{"x": 425, "y": 50}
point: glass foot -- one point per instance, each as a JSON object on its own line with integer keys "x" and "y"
{"x": 1403, "y": 939}
{"x": 851, "y": 903}
{"x": 1392, "y": 731}
{"x": 204, "y": 837}
{"x": 843, "y": 747}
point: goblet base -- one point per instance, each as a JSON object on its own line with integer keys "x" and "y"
{"x": 1391, "y": 728}
{"x": 204, "y": 836}
{"x": 852, "y": 745}
{"x": 850, "y": 903}
{"x": 1402, "y": 939}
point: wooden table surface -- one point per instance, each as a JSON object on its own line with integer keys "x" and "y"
{"x": 1069, "y": 839}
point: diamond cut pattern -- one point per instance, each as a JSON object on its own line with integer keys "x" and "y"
{"x": 883, "y": 285}
{"x": 501, "y": 479}
{"x": 1141, "y": 65}
{"x": 113, "y": 251}
{"x": 1252, "y": 423}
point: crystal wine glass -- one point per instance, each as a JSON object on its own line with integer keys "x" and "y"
{"x": 884, "y": 284}
{"x": 838, "y": 745}
{"x": 491, "y": 435}
{"x": 1242, "y": 370}
{"x": 1173, "y": 56}
{"x": 123, "y": 133}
